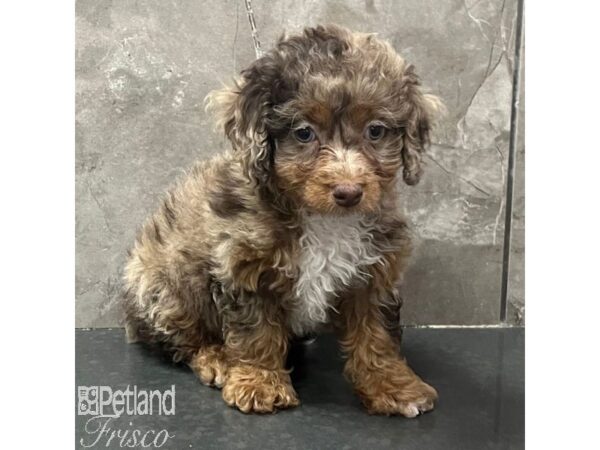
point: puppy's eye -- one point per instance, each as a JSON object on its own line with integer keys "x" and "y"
{"x": 304, "y": 135}
{"x": 375, "y": 132}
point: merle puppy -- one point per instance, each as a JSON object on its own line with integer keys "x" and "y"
{"x": 295, "y": 227}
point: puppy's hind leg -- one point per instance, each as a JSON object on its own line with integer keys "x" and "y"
{"x": 210, "y": 365}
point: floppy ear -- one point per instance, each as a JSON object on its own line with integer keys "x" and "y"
{"x": 242, "y": 113}
{"x": 423, "y": 108}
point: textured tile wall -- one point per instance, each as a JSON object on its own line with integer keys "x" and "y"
{"x": 143, "y": 68}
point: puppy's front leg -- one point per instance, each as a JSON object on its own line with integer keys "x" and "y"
{"x": 381, "y": 377}
{"x": 256, "y": 344}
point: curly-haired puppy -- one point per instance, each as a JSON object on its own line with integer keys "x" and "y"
{"x": 296, "y": 227}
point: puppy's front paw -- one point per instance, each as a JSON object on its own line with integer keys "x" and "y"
{"x": 252, "y": 389}
{"x": 409, "y": 400}
{"x": 390, "y": 387}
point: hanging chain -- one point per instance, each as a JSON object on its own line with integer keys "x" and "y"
{"x": 255, "y": 40}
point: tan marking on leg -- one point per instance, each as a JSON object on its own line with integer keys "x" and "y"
{"x": 381, "y": 377}
{"x": 257, "y": 380}
{"x": 252, "y": 389}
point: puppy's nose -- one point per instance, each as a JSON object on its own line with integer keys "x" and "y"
{"x": 347, "y": 194}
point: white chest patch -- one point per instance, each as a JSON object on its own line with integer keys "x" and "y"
{"x": 334, "y": 252}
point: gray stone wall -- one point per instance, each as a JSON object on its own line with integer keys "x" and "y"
{"x": 143, "y": 68}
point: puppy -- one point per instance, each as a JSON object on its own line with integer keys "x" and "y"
{"x": 294, "y": 228}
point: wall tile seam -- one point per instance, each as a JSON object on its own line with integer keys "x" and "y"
{"x": 510, "y": 174}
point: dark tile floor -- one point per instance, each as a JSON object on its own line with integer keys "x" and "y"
{"x": 479, "y": 374}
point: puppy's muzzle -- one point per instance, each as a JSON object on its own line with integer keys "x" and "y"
{"x": 347, "y": 195}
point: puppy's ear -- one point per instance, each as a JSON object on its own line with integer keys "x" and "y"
{"x": 221, "y": 104}
{"x": 243, "y": 113}
{"x": 423, "y": 109}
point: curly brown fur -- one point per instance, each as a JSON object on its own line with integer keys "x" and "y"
{"x": 278, "y": 237}
{"x": 380, "y": 376}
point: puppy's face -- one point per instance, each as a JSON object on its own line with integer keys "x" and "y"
{"x": 328, "y": 118}
{"x": 341, "y": 150}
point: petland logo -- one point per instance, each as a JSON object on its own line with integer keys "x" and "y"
{"x": 106, "y": 405}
